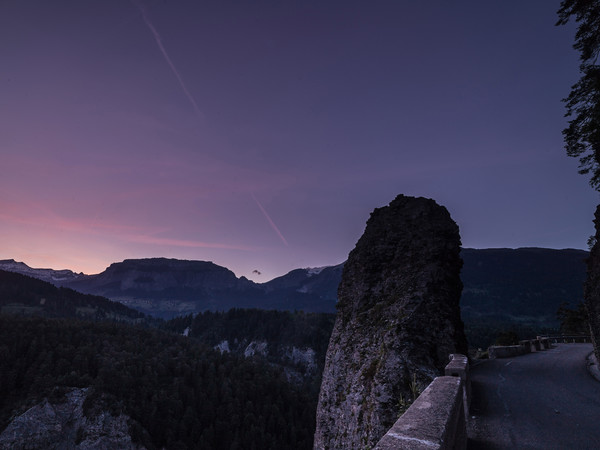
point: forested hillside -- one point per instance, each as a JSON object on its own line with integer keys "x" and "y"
{"x": 296, "y": 341}
{"x": 179, "y": 394}
{"x": 518, "y": 290}
{"x": 178, "y": 391}
{"x": 24, "y": 295}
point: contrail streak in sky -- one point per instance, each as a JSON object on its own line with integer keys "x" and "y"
{"x": 270, "y": 220}
{"x": 162, "y": 49}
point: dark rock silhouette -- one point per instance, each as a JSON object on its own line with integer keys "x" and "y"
{"x": 398, "y": 320}
{"x": 592, "y": 288}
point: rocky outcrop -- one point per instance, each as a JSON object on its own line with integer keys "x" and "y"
{"x": 298, "y": 364}
{"x": 398, "y": 320}
{"x": 592, "y": 288}
{"x": 63, "y": 425}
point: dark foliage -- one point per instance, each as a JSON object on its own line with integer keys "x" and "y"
{"x": 573, "y": 320}
{"x": 280, "y": 330}
{"x": 507, "y": 338}
{"x": 582, "y": 136}
{"x": 297, "y": 329}
{"x": 179, "y": 393}
{"x": 482, "y": 334}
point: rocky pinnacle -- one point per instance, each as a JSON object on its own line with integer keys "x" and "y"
{"x": 398, "y": 320}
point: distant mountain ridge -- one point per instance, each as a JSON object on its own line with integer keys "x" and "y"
{"x": 523, "y": 286}
{"x": 170, "y": 287}
{"x": 530, "y": 280}
{"x": 518, "y": 290}
{"x": 56, "y": 277}
{"x": 23, "y": 295}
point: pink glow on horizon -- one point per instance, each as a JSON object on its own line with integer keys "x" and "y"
{"x": 43, "y": 216}
{"x": 323, "y": 111}
{"x": 52, "y": 220}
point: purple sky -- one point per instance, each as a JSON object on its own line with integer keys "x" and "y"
{"x": 260, "y": 135}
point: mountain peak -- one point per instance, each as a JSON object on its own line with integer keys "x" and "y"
{"x": 12, "y": 262}
{"x": 168, "y": 265}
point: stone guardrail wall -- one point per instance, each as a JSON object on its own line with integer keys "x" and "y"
{"x": 532, "y": 345}
{"x": 437, "y": 418}
{"x": 570, "y": 339}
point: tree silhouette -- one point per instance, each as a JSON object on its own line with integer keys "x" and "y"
{"x": 582, "y": 136}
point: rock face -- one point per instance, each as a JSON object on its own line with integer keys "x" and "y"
{"x": 63, "y": 425}
{"x": 592, "y": 288}
{"x": 398, "y": 320}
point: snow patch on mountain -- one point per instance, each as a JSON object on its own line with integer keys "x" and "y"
{"x": 310, "y": 271}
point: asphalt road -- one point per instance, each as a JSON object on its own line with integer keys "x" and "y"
{"x": 545, "y": 400}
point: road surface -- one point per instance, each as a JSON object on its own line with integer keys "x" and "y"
{"x": 545, "y": 400}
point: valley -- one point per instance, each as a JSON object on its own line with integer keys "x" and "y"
{"x": 503, "y": 289}
{"x": 128, "y": 342}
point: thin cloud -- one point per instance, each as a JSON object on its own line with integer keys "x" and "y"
{"x": 162, "y": 49}
{"x": 53, "y": 222}
{"x": 270, "y": 221}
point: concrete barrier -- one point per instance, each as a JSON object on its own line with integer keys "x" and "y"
{"x": 507, "y": 351}
{"x": 568, "y": 339}
{"x": 459, "y": 367}
{"x": 437, "y": 418}
{"x": 533, "y": 345}
{"x": 544, "y": 342}
{"x": 528, "y": 346}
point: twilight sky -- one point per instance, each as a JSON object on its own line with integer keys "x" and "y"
{"x": 260, "y": 135}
